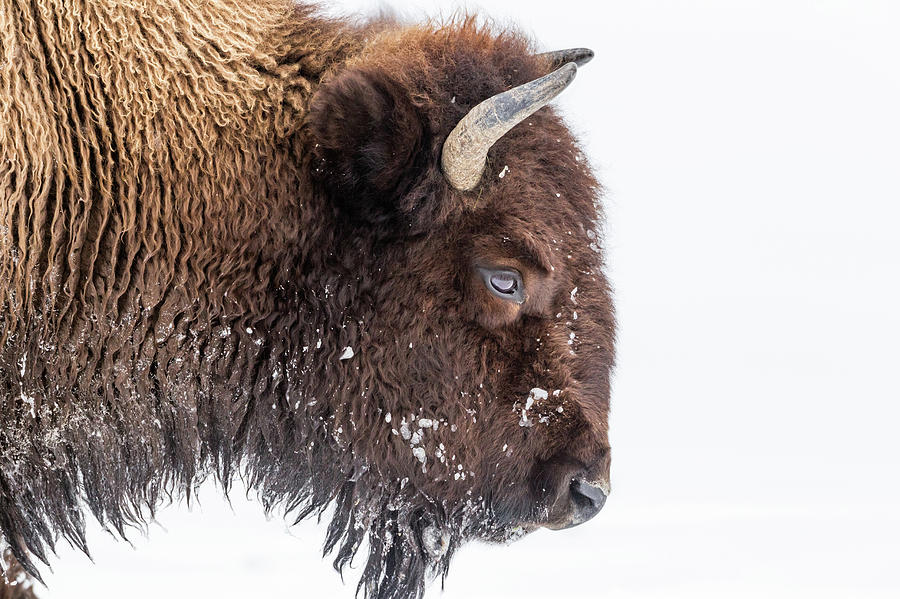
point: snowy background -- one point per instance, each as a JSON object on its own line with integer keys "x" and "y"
{"x": 751, "y": 154}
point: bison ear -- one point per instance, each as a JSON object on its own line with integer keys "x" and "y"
{"x": 369, "y": 145}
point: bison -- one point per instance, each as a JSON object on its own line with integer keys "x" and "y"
{"x": 355, "y": 263}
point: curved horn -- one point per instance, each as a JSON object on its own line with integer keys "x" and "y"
{"x": 464, "y": 155}
{"x": 580, "y": 56}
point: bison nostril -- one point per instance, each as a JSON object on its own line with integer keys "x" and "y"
{"x": 587, "y": 494}
{"x": 587, "y": 500}
{"x": 578, "y": 493}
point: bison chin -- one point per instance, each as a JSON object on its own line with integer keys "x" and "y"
{"x": 409, "y": 540}
{"x": 411, "y": 537}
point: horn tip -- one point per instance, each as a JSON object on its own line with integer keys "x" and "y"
{"x": 568, "y": 71}
{"x": 585, "y": 56}
{"x": 580, "y": 56}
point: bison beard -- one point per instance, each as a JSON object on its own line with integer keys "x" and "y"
{"x": 202, "y": 205}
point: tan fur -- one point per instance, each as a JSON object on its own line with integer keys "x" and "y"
{"x": 115, "y": 103}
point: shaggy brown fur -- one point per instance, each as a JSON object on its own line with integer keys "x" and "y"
{"x": 202, "y": 204}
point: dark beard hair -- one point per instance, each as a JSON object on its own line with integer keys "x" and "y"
{"x": 411, "y": 537}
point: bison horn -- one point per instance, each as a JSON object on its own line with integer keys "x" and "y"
{"x": 580, "y": 56}
{"x": 464, "y": 155}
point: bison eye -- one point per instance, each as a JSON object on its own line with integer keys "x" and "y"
{"x": 504, "y": 283}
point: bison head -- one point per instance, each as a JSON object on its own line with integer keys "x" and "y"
{"x": 462, "y": 325}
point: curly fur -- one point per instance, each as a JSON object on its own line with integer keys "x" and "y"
{"x": 202, "y": 204}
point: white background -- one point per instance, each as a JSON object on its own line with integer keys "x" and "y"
{"x": 751, "y": 155}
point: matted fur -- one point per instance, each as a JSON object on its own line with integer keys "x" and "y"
{"x": 203, "y": 204}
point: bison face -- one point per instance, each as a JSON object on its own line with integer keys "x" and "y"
{"x": 473, "y": 398}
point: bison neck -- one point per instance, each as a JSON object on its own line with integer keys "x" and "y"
{"x": 155, "y": 225}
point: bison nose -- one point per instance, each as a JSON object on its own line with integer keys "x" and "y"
{"x": 588, "y": 500}
{"x": 578, "y": 504}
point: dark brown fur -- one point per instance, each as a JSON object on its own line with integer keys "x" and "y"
{"x": 202, "y": 205}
